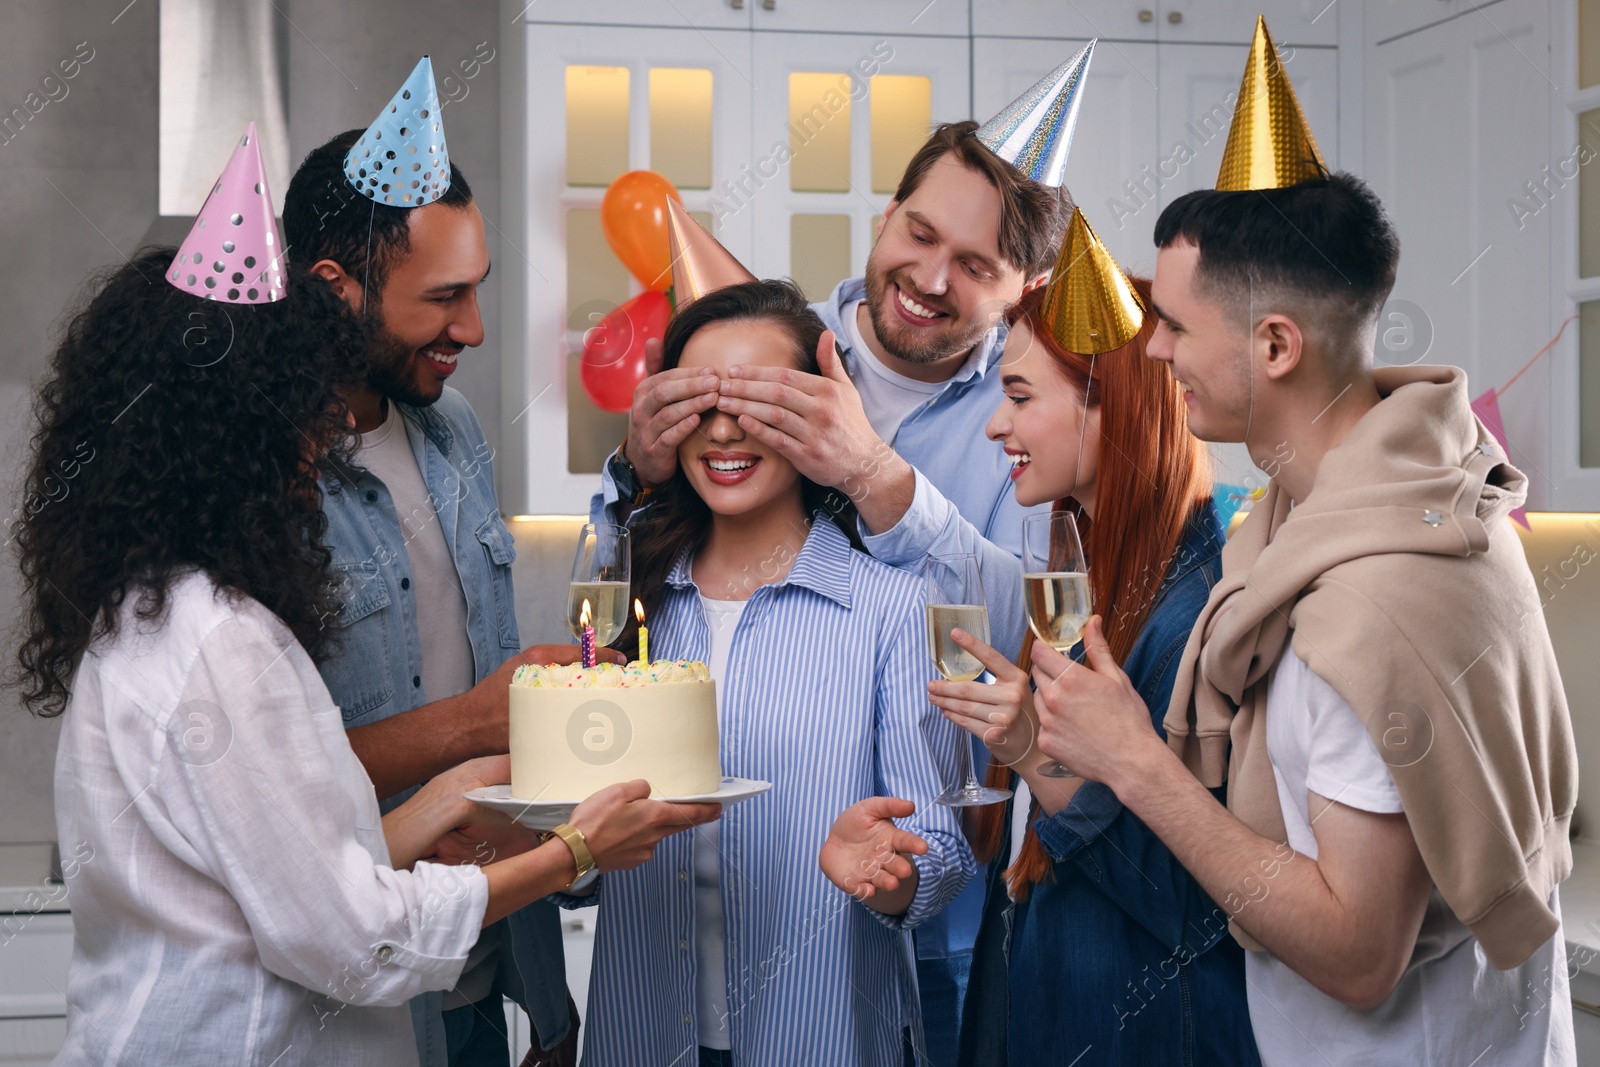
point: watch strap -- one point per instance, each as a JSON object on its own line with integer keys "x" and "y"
{"x": 574, "y": 839}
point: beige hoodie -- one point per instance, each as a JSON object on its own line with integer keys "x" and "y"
{"x": 1401, "y": 584}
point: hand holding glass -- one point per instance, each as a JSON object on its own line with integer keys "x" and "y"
{"x": 1055, "y": 588}
{"x": 954, "y": 589}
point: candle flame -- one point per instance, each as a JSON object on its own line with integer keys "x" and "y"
{"x": 584, "y": 616}
{"x": 638, "y": 611}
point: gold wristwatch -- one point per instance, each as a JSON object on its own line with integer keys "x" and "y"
{"x": 580, "y": 849}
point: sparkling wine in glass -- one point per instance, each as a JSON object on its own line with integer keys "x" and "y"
{"x": 600, "y": 573}
{"x": 954, "y": 587}
{"x": 1055, "y": 588}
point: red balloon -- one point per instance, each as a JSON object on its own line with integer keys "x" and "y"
{"x": 613, "y": 352}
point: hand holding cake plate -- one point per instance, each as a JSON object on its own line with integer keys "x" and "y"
{"x": 576, "y": 730}
{"x": 548, "y": 814}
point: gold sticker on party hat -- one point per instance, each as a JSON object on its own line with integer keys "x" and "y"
{"x": 1089, "y": 305}
{"x": 1269, "y": 146}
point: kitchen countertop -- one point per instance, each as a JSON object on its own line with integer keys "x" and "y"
{"x": 24, "y": 884}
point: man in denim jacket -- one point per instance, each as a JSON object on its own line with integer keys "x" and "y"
{"x": 428, "y": 623}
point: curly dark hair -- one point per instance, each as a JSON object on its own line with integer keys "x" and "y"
{"x": 324, "y": 218}
{"x": 174, "y": 433}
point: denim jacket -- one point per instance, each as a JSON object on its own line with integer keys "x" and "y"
{"x": 376, "y": 671}
{"x": 1119, "y": 956}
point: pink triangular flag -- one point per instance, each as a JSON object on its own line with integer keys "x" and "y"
{"x": 1487, "y": 408}
{"x": 234, "y": 252}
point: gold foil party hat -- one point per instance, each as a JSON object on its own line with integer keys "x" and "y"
{"x": 699, "y": 262}
{"x": 1089, "y": 305}
{"x": 1270, "y": 146}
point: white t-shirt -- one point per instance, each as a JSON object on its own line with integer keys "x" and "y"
{"x": 711, "y": 962}
{"x": 1020, "y": 805}
{"x": 887, "y": 396}
{"x": 1452, "y": 1006}
{"x": 441, "y": 620}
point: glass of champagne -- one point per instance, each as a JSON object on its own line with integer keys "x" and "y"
{"x": 1055, "y": 587}
{"x": 600, "y": 573}
{"x": 954, "y": 587}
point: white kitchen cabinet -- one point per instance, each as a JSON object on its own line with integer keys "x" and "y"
{"x": 901, "y": 18}
{"x": 670, "y": 14}
{"x": 1117, "y": 136}
{"x": 863, "y": 192}
{"x": 1178, "y": 21}
{"x": 804, "y": 132}
{"x": 1457, "y": 119}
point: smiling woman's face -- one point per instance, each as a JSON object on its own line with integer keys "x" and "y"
{"x": 1040, "y": 423}
{"x": 731, "y": 471}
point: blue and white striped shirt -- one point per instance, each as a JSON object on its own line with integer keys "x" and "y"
{"x": 824, "y": 698}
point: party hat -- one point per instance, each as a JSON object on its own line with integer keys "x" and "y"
{"x": 234, "y": 251}
{"x": 699, "y": 262}
{"x": 1269, "y": 146}
{"x": 401, "y": 160}
{"x": 1034, "y": 132}
{"x": 1089, "y": 306}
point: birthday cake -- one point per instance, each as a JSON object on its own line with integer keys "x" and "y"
{"x": 576, "y": 729}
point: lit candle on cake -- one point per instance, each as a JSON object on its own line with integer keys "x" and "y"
{"x": 644, "y": 634}
{"x": 586, "y": 644}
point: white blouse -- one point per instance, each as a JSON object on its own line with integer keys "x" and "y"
{"x": 232, "y": 898}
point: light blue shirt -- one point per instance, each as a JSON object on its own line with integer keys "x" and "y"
{"x": 824, "y": 697}
{"x": 963, "y": 503}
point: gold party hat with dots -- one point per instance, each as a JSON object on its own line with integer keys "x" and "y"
{"x": 1089, "y": 305}
{"x": 1269, "y": 146}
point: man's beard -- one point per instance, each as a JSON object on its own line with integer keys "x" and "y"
{"x": 392, "y": 372}
{"x": 945, "y": 341}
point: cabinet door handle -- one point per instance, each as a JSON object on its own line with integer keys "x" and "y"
{"x": 1174, "y": 17}
{"x": 1146, "y": 15}
{"x": 769, "y": 5}
{"x": 737, "y": 5}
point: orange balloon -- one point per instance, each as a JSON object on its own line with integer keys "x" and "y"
{"x": 634, "y": 218}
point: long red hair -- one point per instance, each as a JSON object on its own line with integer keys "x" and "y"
{"x": 1152, "y": 472}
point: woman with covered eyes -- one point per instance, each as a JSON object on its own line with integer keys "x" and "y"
{"x": 730, "y": 946}
{"x": 1095, "y": 942}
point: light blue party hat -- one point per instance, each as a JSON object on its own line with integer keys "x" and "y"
{"x": 1034, "y": 132}
{"x": 401, "y": 160}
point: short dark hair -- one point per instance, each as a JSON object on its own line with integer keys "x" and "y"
{"x": 1033, "y": 217}
{"x": 1326, "y": 240}
{"x": 325, "y": 218}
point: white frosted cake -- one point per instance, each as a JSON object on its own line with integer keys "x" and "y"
{"x": 575, "y": 730}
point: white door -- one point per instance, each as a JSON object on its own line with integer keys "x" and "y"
{"x": 835, "y": 119}
{"x": 1457, "y": 122}
{"x": 671, "y": 14}
{"x": 1199, "y": 86}
{"x": 942, "y": 18}
{"x": 1224, "y": 21}
{"x": 596, "y": 101}
{"x": 1123, "y": 20}
{"x": 1116, "y": 138}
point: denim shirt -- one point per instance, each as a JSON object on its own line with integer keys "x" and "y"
{"x": 376, "y": 671}
{"x": 1120, "y": 953}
